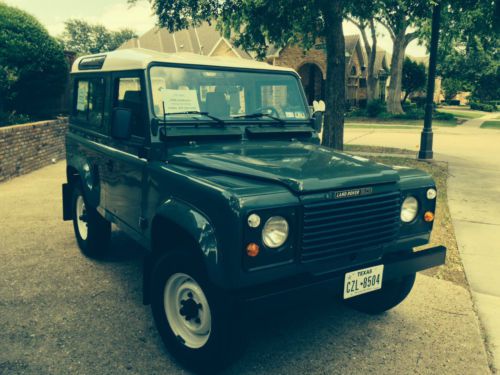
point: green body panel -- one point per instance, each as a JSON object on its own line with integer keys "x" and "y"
{"x": 302, "y": 167}
{"x": 207, "y": 183}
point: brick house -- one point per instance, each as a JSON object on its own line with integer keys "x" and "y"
{"x": 311, "y": 65}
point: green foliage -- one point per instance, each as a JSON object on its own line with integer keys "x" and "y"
{"x": 483, "y": 107}
{"x": 374, "y": 108}
{"x": 84, "y": 38}
{"x": 443, "y": 116}
{"x": 414, "y": 77}
{"x": 13, "y": 118}
{"x": 33, "y": 68}
{"x": 487, "y": 87}
{"x": 419, "y": 101}
{"x": 451, "y": 87}
{"x": 470, "y": 47}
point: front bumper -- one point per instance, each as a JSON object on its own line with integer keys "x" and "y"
{"x": 396, "y": 265}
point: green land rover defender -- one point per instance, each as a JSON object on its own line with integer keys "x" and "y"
{"x": 215, "y": 167}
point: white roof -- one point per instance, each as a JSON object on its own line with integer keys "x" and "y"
{"x": 140, "y": 58}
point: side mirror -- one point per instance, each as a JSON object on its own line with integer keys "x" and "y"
{"x": 317, "y": 121}
{"x": 121, "y": 127}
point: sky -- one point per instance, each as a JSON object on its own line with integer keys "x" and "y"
{"x": 117, "y": 14}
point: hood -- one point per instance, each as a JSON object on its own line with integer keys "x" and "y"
{"x": 302, "y": 167}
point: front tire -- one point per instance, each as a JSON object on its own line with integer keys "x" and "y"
{"x": 92, "y": 231}
{"x": 196, "y": 320}
{"x": 391, "y": 294}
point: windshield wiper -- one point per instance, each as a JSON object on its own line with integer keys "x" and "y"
{"x": 281, "y": 122}
{"x": 220, "y": 122}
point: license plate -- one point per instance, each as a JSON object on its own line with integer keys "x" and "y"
{"x": 363, "y": 281}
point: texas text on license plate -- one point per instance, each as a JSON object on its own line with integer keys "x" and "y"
{"x": 363, "y": 281}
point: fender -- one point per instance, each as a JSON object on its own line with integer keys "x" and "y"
{"x": 198, "y": 227}
{"x": 88, "y": 171}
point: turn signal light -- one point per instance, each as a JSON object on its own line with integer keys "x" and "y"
{"x": 253, "y": 249}
{"x": 428, "y": 216}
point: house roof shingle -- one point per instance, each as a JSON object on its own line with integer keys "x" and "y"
{"x": 201, "y": 40}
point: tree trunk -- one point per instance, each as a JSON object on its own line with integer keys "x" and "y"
{"x": 371, "y": 80}
{"x": 333, "y": 131}
{"x": 394, "y": 93}
{"x": 371, "y": 53}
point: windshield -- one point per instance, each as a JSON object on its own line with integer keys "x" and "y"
{"x": 180, "y": 92}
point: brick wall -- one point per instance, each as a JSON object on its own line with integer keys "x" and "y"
{"x": 25, "y": 148}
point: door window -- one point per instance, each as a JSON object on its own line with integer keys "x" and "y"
{"x": 89, "y": 103}
{"x": 129, "y": 95}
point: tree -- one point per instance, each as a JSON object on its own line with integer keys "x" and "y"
{"x": 414, "y": 77}
{"x": 33, "y": 68}
{"x": 488, "y": 86}
{"x": 451, "y": 87}
{"x": 470, "y": 50}
{"x": 84, "y": 38}
{"x": 362, "y": 14}
{"x": 253, "y": 25}
{"x": 399, "y": 17}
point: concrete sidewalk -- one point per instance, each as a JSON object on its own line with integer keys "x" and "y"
{"x": 61, "y": 313}
{"x": 474, "y": 199}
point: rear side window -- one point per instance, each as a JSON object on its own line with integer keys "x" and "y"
{"x": 89, "y": 102}
{"x": 129, "y": 95}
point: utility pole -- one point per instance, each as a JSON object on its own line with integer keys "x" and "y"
{"x": 427, "y": 135}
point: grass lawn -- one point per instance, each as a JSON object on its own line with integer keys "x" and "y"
{"x": 367, "y": 122}
{"x": 463, "y": 113}
{"x": 493, "y": 124}
{"x": 443, "y": 232}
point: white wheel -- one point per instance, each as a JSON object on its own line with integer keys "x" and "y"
{"x": 92, "y": 231}
{"x": 81, "y": 218}
{"x": 187, "y": 310}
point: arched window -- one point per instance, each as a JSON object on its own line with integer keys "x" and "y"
{"x": 354, "y": 71}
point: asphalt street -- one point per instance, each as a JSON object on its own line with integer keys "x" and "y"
{"x": 61, "y": 313}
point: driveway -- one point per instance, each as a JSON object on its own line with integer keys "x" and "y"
{"x": 61, "y": 313}
{"x": 474, "y": 199}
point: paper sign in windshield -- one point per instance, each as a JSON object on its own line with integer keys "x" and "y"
{"x": 180, "y": 100}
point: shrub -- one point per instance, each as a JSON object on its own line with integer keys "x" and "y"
{"x": 13, "y": 118}
{"x": 357, "y": 112}
{"x": 412, "y": 114}
{"x": 33, "y": 68}
{"x": 419, "y": 101}
{"x": 374, "y": 108}
{"x": 443, "y": 116}
{"x": 409, "y": 106}
{"x": 483, "y": 107}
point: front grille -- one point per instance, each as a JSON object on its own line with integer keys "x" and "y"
{"x": 348, "y": 227}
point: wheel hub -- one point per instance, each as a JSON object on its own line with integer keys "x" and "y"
{"x": 190, "y": 309}
{"x": 187, "y": 310}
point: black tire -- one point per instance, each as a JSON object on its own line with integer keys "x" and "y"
{"x": 95, "y": 243}
{"x": 222, "y": 347}
{"x": 391, "y": 294}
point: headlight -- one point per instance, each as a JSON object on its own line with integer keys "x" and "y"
{"x": 431, "y": 193}
{"x": 275, "y": 232}
{"x": 409, "y": 209}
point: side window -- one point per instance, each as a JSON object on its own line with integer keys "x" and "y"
{"x": 89, "y": 102}
{"x": 128, "y": 94}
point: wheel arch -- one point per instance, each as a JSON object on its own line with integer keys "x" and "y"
{"x": 179, "y": 227}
